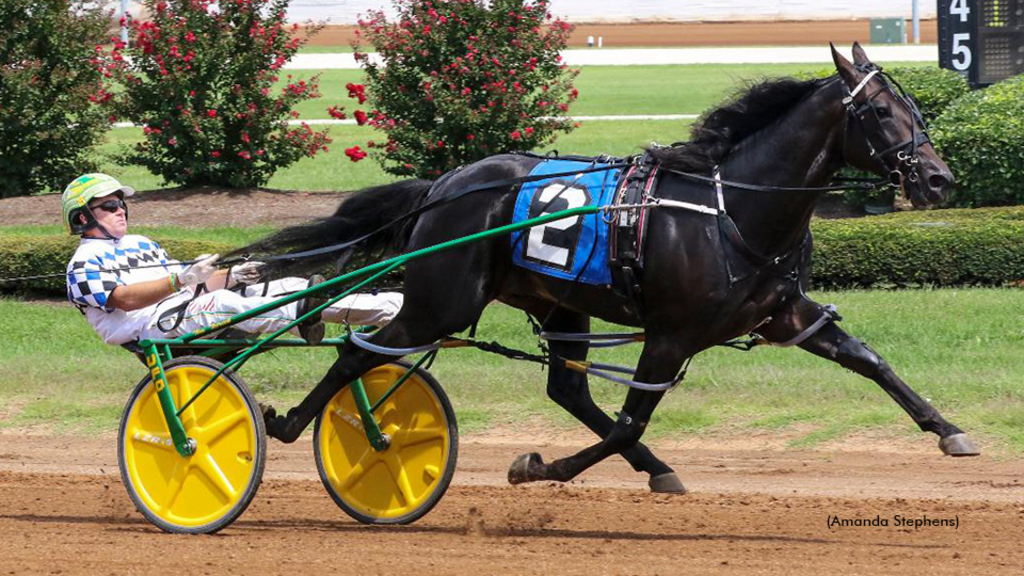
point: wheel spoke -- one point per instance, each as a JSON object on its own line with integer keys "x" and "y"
{"x": 401, "y": 479}
{"x": 140, "y": 438}
{"x": 211, "y": 433}
{"x": 174, "y": 488}
{"x": 352, "y": 421}
{"x": 360, "y": 469}
{"x": 184, "y": 394}
{"x": 413, "y": 437}
{"x": 213, "y": 471}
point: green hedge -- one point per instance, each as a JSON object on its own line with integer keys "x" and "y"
{"x": 983, "y": 247}
{"x": 981, "y": 137}
{"x": 25, "y": 255}
{"x": 932, "y": 87}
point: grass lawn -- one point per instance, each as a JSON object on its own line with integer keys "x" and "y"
{"x": 54, "y": 371}
{"x": 334, "y": 171}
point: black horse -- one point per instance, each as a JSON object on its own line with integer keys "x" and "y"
{"x": 700, "y": 287}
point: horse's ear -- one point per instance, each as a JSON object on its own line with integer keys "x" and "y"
{"x": 843, "y": 66}
{"x": 860, "y": 57}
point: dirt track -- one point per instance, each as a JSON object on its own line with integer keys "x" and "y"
{"x": 669, "y": 34}
{"x": 63, "y": 510}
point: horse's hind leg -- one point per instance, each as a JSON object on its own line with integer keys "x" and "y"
{"x": 416, "y": 325}
{"x": 832, "y": 343}
{"x": 660, "y": 362}
{"x": 570, "y": 390}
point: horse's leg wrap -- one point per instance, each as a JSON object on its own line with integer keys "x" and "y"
{"x": 854, "y": 355}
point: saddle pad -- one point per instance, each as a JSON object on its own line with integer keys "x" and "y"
{"x": 574, "y": 248}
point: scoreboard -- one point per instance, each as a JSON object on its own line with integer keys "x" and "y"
{"x": 982, "y": 39}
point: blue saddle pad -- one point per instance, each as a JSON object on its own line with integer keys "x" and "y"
{"x": 574, "y": 248}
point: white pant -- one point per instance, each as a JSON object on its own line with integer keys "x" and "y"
{"x": 213, "y": 307}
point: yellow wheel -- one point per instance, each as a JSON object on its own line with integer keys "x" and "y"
{"x": 208, "y": 490}
{"x": 403, "y": 482}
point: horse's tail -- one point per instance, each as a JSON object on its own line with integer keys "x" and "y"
{"x": 363, "y": 212}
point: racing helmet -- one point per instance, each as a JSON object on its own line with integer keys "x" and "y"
{"x": 76, "y": 197}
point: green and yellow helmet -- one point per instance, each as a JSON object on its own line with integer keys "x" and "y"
{"x": 76, "y": 197}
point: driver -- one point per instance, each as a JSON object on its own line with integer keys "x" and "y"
{"x": 130, "y": 289}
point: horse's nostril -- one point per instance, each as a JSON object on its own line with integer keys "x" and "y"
{"x": 938, "y": 181}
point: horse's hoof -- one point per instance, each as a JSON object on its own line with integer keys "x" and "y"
{"x": 958, "y": 445}
{"x": 519, "y": 471}
{"x": 667, "y": 483}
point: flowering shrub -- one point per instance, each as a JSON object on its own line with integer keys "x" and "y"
{"x": 459, "y": 80}
{"x": 199, "y": 78}
{"x": 51, "y": 98}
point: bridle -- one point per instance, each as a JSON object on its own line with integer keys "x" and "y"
{"x": 866, "y": 114}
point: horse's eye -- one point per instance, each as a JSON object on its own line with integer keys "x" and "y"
{"x": 883, "y": 112}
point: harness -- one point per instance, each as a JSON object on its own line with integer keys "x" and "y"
{"x": 870, "y": 121}
{"x": 628, "y": 227}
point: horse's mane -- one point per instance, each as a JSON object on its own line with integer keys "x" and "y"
{"x": 748, "y": 111}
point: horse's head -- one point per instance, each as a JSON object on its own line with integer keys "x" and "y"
{"x": 885, "y": 132}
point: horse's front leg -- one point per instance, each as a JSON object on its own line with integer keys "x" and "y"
{"x": 660, "y": 362}
{"x": 832, "y": 343}
{"x": 570, "y": 390}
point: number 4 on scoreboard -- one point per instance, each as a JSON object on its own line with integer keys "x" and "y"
{"x": 960, "y": 8}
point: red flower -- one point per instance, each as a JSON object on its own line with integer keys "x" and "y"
{"x": 470, "y": 137}
{"x": 215, "y": 154}
{"x": 357, "y": 91}
{"x": 355, "y": 154}
{"x": 244, "y": 155}
{"x": 360, "y": 117}
{"x": 336, "y": 113}
{"x": 211, "y": 113}
{"x": 516, "y": 135}
{"x": 528, "y": 130}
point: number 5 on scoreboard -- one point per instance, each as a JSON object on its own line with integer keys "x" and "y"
{"x": 961, "y": 50}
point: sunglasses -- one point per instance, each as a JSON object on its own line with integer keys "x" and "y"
{"x": 112, "y": 206}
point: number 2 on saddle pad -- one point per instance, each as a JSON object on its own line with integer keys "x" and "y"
{"x": 571, "y": 248}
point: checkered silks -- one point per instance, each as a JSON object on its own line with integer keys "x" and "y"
{"x": 99, "y": 266}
